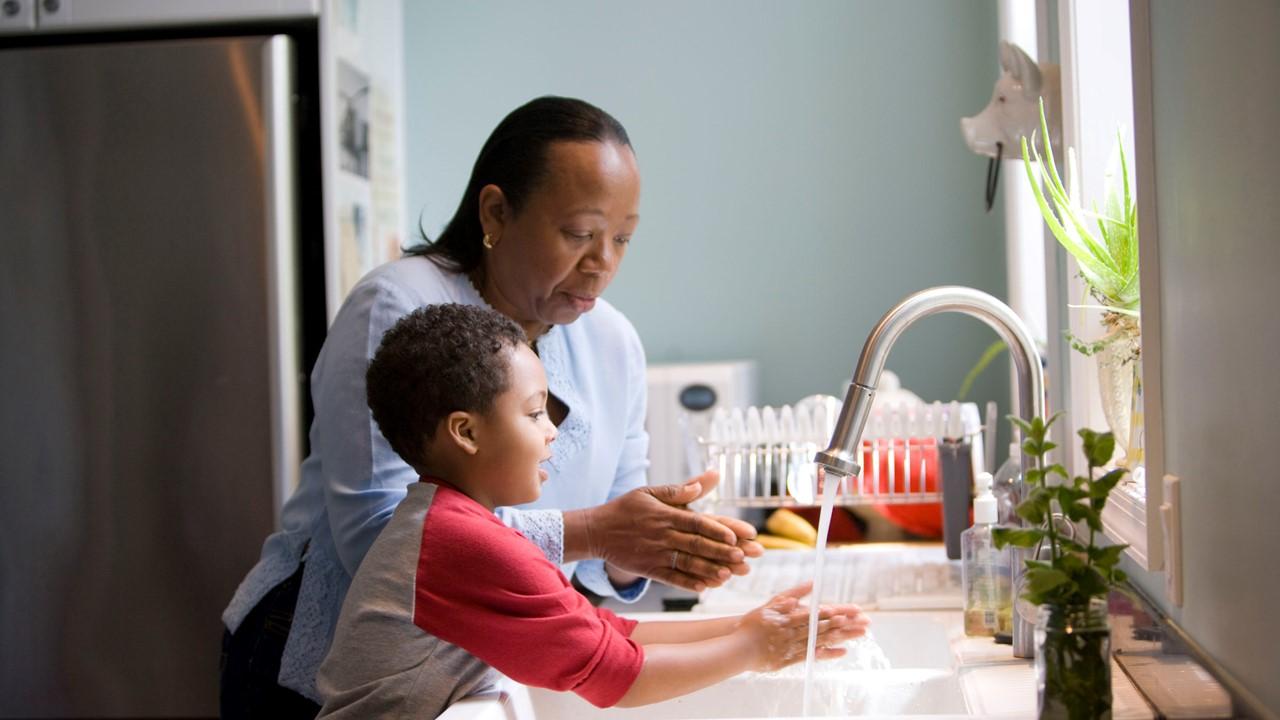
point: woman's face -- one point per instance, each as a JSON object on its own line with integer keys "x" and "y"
{"x": 552, "y": 259}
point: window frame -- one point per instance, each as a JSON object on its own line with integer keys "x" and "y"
{"x": 1126, "y": 519}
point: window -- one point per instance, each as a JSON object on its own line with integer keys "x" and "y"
{"x": 1100, "y": 72}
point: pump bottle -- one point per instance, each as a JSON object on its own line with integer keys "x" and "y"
{"x": 985, "y": 571}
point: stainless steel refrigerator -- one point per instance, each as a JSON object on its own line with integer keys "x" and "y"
{"x": 161, "y": 295}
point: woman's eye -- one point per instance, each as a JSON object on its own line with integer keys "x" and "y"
{"x": 584, "y": 236}
{"x": 537, "y": 414}
{"x": 622, "y": 239}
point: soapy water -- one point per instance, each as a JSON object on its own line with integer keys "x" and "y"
{"x": 862, "y": 653}
{"x": 829, "y": 486}
{"x": 841, "y": 686}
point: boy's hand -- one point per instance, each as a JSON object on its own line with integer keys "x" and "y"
{"x": 779, "y": 630}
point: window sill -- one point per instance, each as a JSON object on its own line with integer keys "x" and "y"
{"x": 1124, "y": 520}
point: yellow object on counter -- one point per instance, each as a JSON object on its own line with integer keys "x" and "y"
{"x": 774, "y": 542}
{"x": 787, "y": 524}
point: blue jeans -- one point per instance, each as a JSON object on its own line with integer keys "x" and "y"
{"x": 251, "y": 661}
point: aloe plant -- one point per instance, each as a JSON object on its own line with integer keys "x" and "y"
{"x": 1105, "y": 244}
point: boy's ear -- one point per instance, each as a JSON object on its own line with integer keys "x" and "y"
{"x": 461, "y": 429}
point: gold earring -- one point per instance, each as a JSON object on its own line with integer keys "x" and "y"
{"x": 487, "y": 241}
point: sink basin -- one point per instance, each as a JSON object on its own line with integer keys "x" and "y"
{"x": 920, "y": 680}
{"x": 880, "y": 692}
{"x": 932, "y": 670}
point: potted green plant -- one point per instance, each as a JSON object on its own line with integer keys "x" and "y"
{"x": 1104, "y": 243}
{"x": 1068, "y": 579}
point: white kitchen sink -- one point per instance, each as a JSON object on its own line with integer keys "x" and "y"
{"x": 920, "y": 679}
{"x": 935, "y": 671}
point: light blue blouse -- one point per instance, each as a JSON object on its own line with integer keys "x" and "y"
{"x": 353, "y": 480}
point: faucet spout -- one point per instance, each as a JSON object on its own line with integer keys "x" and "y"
{"x": 843, "y": 454}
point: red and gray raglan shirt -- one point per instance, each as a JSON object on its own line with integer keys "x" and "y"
{"x": 447, "y": 595}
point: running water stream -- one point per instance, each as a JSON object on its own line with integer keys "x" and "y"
{"x": 830, "y": 483}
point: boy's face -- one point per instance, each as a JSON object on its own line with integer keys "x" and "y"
{"x": 515, "y": 435}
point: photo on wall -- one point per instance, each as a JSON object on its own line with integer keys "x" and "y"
{"x": 355, "y": 249}
{"x": 353, "y": 120}
{"x": 384, "y": 175}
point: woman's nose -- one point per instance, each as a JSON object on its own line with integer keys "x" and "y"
{"x": 601, "y": 259}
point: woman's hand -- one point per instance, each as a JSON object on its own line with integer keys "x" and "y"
{"x": 649, "y": 532}
{"x": 779, "y": 629}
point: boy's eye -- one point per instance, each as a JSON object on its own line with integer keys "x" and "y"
{"x": 622, "y": 239}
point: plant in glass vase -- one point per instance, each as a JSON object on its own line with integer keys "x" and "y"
{"x": 1105, "y": 245}
{"x": 1067, "y": 579}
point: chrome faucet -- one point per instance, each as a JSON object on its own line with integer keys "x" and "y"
{"x": 844, "y": 453}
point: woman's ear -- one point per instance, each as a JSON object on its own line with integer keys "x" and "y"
{"x": 461, "y": 428}
{"x": 494, "y": 212}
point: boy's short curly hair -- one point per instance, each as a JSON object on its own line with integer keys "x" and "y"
{"x": 437, "y": 360}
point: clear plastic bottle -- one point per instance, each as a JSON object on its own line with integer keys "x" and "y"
{"x": 1005, "y": 487}
{"x": 985, "y": 576}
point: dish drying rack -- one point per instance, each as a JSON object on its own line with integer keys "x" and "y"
{"x": 765, "y": 455}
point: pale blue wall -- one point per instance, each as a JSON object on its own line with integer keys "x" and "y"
{"x": 802, "y": 164}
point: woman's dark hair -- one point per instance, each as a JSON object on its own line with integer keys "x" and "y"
{"x": 436, "y": 360}
{"x": 515, "y": 159}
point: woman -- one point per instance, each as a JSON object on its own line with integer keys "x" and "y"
{"x": 541, "y": 230}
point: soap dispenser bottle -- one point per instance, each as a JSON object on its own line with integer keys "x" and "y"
{"x": 985, "y": 571}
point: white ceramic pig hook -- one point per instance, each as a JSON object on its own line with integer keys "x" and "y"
{"x": 1014, "y": 112}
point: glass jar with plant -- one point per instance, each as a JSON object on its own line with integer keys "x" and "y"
{"x": 1105, "y": 245}
{"x": 1067, "y": 579}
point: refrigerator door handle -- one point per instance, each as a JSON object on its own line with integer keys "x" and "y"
{"x": 282, "y": 267}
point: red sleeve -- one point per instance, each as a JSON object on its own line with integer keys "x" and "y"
{"x": 622, "y": 625}
{"x": 485, "y": 588}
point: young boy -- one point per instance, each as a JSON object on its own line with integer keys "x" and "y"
{"x": 448, "y": 594}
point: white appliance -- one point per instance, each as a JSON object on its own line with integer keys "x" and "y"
{"x": 685, "y": 395}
